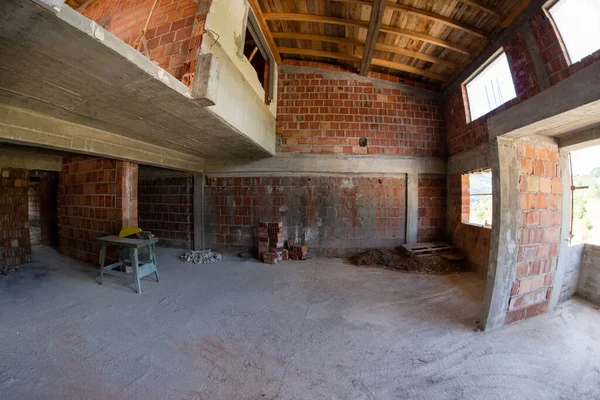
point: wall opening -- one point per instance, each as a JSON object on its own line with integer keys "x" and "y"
{"x": 478, "y": 198}
{"x": 585, "y": 195}
{"x": 42, "y": 204}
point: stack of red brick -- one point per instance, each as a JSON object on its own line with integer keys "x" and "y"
{"x": 271, "y": 246}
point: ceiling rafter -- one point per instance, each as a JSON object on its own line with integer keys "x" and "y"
{"x": 423, "y": 14}
{"x": 363, "y": 24}
{"x": 355, "y": 42}
{"x": 377, "y": 10}
{"x": 354, "y": 58}
{"x": 485, "y": 8}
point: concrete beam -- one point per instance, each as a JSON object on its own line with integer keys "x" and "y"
{"x": 504, "y": 240}
{"x": 470, "y": 160}
{"x": 30, "y": 159}
{"x": 570, "y": 105}
{"x": 297, "y": 164}
{"x": 581, "y": 139}
{"x": 24, "y": 127}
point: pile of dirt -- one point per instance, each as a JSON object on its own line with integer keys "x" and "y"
{"x": 400, "y": 260}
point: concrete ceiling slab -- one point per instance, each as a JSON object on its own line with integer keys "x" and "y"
{"x": 58, "y": 63}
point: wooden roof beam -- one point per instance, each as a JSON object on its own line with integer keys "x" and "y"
{"x": 485, "y": 8}
{"x": 354, "y": 42}
{"x": 353, "y": 58}
{"x": 423, "y": 14}
{"x": 377, "y": 10}
{"x": 363, "y": 24}
{"x": 265, "y": 29}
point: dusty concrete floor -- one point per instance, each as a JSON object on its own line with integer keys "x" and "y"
{"x": 318, "y": 329}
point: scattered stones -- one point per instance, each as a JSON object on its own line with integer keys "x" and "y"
{"x": 201, "y": 257}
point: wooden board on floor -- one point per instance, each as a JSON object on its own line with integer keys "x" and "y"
{"x": 428, "y": 249}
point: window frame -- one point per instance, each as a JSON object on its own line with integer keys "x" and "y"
{"x": 253, "y": 26}
{"x": 546, "y": 8}
{"x": 467, "y": 102}
{"x": 467, "y": 175}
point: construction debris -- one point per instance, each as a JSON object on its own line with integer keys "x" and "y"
{"x": 271, "y": 244}
{"x": 201, "y": 257}
{"x": 402, "y": 260}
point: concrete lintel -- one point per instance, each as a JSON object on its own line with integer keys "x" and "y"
{"x": 206, "y": 80}
{"x": 572, "y": 104}
{"x": 504, "y": 240}
{"x": 581, "y": 139}
{"x": 378, "y": 83}
{"x": 470, "y": 160}
{"x": 298, "y": 163}
{"x": 412, "y": 207}
{"x": 20, "y": 126}
{"x": 30, "y": 159}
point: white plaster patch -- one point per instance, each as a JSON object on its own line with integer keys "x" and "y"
{"x": 97, "y": 31}
{"x": 319, "y": 222}
{"x": 269, "y": 189}
{"x": 280, "y": 188}
{"x": 347, "y": 183}
{"x": 283, "y": 208}
{"x": 163, "y": 76}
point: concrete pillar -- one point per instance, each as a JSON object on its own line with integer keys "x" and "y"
{"x": 412, "y": 207}
{"x": 504, "y": 241}
{"x": 198, "y": 202}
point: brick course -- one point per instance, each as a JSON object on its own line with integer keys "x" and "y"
{"x": 432, "y": 208}
{"x": 539, "y": 232}
{"x": 96, "y": 197}
{"x": 320, "y": 115}
{"x": 333, "y": 215}
{"x": 174, "y": 32}
{"x": 166, "y": 207}
{"x": 15, "y": 246}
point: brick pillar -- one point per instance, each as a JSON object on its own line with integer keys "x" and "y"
{"x": 15, "y": 246}
{"x": 96, "y": 197}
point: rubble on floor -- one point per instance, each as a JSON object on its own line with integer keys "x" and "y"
{"x": 201, "y": 256}
{"x": 400, "y": 260}
{"x": 5, "y": 271}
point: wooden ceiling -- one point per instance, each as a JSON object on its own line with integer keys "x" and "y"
{"x": 425, "y": 40}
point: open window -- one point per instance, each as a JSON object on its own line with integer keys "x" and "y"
{"x": 489, "y": 88}
{"x": 585, "y": 189}
{"x": 577, "y": 24}
{"x": 259, "y": 55}
{"x": 477, "y": 196}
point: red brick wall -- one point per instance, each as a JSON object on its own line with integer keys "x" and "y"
{"x": 96, "y": 197}
{"x": 553, "y": 51}
{"x": 539, "y": 232}
{"x": 472, "y": 240}
{"x": 166, "y": 207}
{"x": 334, "y": 215}
{"x": 432, "y": 208}
{"x": 320, "y": 115}
{"x": 15, "y": 247}
{"x": 462, "y": 135}
{"x": 174, "y": 32}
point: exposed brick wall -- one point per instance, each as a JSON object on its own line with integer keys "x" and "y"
{"x": 539, "y": 232}
{"x": 174, "y": 32}
{"x": 334, "y": 215}
{"x": 33, "y": 200}
{"x": 553, "y": 50}
{"x": 432, "y": 208}
{"x": 463, "y": 135}
{"x": 166, "y": 207}
{"x": 48, "y": 208}
{"x": 15, "y": 247}
{"x": 320, "y": 115}
{"x": 96, "y": 197}
{"x": 472, "y": 240}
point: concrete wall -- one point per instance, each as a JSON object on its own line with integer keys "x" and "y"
{"x": 589, "y": 276}
{"x": 573, "y": 255}
{"x": 15, "y": 247}
{"x": 96, "y": 197}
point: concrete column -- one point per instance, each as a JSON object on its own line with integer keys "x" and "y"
{"x": 504, "y": 241}
{"x": 412, "y": 207}
{"x": 198, "y": 211}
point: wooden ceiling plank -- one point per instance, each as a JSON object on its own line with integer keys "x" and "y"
{"x": 377, "y": 11}
{"x": 424, "y": 14}
{"x": 363, "y": 24}
{"x": 319, "y": 53}
{"x": 359, "y": 43}
{"x": 485, "y": 8}
{"x": 407, "y": 68}
{"x": 265, "y": 29}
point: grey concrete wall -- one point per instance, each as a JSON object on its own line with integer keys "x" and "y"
{"x": 572, "y": 256}
{"x": 589, "y": 276}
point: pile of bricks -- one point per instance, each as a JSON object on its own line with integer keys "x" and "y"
{"x": 271, "y": 245}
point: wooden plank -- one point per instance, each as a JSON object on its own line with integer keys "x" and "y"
{"x": 358, "y": 43}
{"x": 377, "y": 11}
{"x": 426, "y": 38}
{"x": 485, "y": 8}
{"x": 315, "y": 18}
{"x": 407, "y": 68}
{"x": 515, "y": 13}
{"x": 264, "y": 27}
{"x": 423, "y": 14}
{"x": 319, "y": 53}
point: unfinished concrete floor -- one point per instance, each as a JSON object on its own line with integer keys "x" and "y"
{"x": 318, "y": 329}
